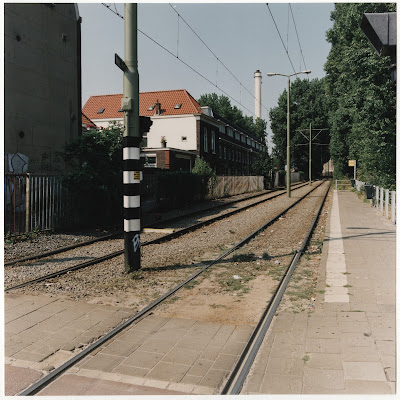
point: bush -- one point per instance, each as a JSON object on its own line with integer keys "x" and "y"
{"x": 94, "y": 179}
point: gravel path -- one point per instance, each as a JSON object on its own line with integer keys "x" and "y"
{"x": 166, "y": 264}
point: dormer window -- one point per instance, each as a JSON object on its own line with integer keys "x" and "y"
{"x": 178, "y": 106}
{"x": 151, "y": 108}
{"x": 120, "y": 110}
{"x": 101, "y": 111}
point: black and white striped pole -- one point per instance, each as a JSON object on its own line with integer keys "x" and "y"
{"x": 131, "y": 141}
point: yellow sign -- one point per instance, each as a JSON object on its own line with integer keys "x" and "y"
{"x": 351, "y": 163}
{"x": 136, "y": 175}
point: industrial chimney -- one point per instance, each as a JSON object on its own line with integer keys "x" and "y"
{"x": 257, "y": 93}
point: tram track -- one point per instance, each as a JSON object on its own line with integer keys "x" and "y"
{"x": 156, "y": 225}
{"x": 175, "y": 234}
{"x": 232, "y": 384}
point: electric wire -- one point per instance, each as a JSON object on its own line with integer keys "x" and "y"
{"x": 218, "y": 59}
{"x": 283, "y": 44}
{"x": 182, "y": 61}
{"x": 298, "y": 39}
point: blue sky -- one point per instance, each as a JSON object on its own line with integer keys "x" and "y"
{"x": 242, "y": 36}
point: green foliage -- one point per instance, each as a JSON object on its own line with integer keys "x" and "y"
{"x": 222, "y": 106}
{"x": 94, "y": 178}
{"x": 361, "y": 98}
{"x": 307, "y": 105}
{"x": 203, "y": 168}
{"x": 263, "y": 167}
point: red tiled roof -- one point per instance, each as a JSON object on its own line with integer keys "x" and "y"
{"x": 168, "y": 100}
{"x": 87, "y": 122}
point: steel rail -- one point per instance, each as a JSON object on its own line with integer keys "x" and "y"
{"x": 152, "y": 225}
{"x": 39, "y": 385}
{"x": 161, "y": 239}
{"x": 242, "y": 368}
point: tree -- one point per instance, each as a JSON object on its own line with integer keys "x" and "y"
{"x": 94, "y": 177}
{"x": 222, "y": 106}
{"x": 361, "y": 98}
{"x": 307, "y": 105}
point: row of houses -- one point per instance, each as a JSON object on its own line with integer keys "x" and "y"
{"x": 181, "y": 130}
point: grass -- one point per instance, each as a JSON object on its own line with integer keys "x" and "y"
{"x": 191, "y": 284}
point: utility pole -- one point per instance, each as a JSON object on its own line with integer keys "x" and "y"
{"x": 310, "y": 140}
{"x": 131, "y": 141}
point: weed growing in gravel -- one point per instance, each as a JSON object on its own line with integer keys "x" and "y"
{"x": 136, "y": 275}
{"x": 266, "y": 256}
{"x": 231, "y": 231}
{"x": 243, "y": 257}
{"x": 191, "y": 284}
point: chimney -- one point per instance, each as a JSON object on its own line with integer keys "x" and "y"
{"x": 157, "y": 108}
{"x": 257, "y": 94}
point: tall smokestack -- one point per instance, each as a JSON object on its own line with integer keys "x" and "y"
{"x": 257, "y": 93}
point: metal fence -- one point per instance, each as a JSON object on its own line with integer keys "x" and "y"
{"x": 32, "y": 202}
{"x": 384, "y": 200}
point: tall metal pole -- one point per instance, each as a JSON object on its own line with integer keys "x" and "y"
{"x": 309, "y": 160}
{"x": 288, "y": 143}
{"x": 131, "y": 142}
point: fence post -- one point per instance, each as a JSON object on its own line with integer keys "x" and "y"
{"x": 335, "y": 184}
{"x": 387, "y": 203}
{"x": 393, "y": 208}
{"x": 27, "y": 203}
{"x": 381, "y": 200}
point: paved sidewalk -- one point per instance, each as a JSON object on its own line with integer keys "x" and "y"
{"x": 347, "y": 345}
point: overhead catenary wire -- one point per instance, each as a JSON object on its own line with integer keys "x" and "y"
{"x": 218, "y": 59}
{"x": 298, "y": 39}
{"x": 283, "y": 43}
{"x": 176, "y": 56}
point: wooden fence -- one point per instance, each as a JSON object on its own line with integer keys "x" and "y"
{"x": 232, "y": 185}
{"x": 32, "y": 202}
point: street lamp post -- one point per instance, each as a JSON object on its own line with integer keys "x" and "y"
{"x": 288, "y": 127}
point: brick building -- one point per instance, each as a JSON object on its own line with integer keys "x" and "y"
{"x": 181, "y": 131}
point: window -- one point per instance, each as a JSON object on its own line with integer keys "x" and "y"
{"x": 230, "y": 131}
{"x": 120, "y": 110}
{"x": 213, "y": 141}
{"x": 151, "y": 108}
{"x": 101, "y": 111}
{"x": 150, "y": 161}
{"x": 205, "y": 140}
{"x": 178, "y": 106}
{"x": 220, "y": 151}
{"x": 184, "y": 138}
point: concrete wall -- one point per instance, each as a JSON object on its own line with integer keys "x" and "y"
{"x": 42, "y": 85}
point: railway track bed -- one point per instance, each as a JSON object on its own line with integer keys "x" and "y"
{"x": 204, "y": 327}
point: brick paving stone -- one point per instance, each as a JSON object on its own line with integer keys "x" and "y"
{"x": 361, "y": 354}
{"x": 200, "y": 367}
{"x": 223, "y": 335}
{"x": 225, "y": 362}
{"x": 143, "y": 359}
{"x": 45, "y": 347}
{"x": 103, "y": 362}
{"x": 120, "y": 348}
{"x": 28, "y": 356}
{"x": 17, "y": 379}
{"x": 285, "y": 366}
{"x": 177, "y": 356}
{"x": 17, "y": 326}
{"x": 367, "y": 387}
{"x": 191, "y": 379}
{"x": 325, "y": 361}
{"x": 211, "y": 352}
{"x": 133, "y": 335}
{"x": 352, "y": 326}
{"x": 158, "y": 345}
{"x": 151, "y": 323}
{"x": 281, "y": 384}
{"x": 168, "y": 372}
{"x": 214, "y": 378}
{"x": 204, "y": 329}
{"x": 356, "y": 339}
{"x": 233, "y": 348}
{"x": 324, "y": 378}
{"x": 323, "y": 332}
{"x": 368, "y": 371}
{"x": 199, "y": 344}
{"x": 130, "y": 370}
